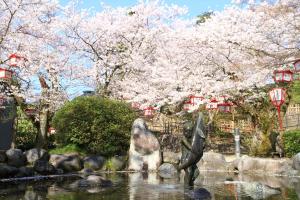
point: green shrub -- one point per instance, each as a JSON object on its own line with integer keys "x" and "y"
{"x": 26, "y": 133}
{"x": 291, "y": 142}
{"x": 70, "y": 148}
{"x": 95, "y": 124}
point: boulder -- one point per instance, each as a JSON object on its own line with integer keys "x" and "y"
{"x": 144, "y": 151}
{"x": 167, "y": 170}
{"x": 15, "y": 157}
{"x": 8, "y": 171}
{"x": 87, "y": 171}
{"x": 171, "y": 157}
{"x": 44, "y": 168}
{"x": 296, "y": 161}
{"x": 199, "y": 193}
{"x": 257, "y": 190}
{"x": 68, "y": 163}
{"x": 98, "y": 180}
{"x": 264, "y": 165}
{"x": 115, "y": 163}
{"x": 3, "y": 157}
{"x": 91, "y": 181}
{"x": 25, "y": 172}
{"x": 93, "y": 162}
{"x": 212, "y": 161}
{"x": 35, "y": 154}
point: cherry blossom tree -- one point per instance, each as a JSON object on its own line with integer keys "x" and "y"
{"x": 120, "y": 42}
{"x": 32, "y": 30}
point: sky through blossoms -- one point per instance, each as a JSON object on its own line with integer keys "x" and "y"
{"x": 195, "y": 7}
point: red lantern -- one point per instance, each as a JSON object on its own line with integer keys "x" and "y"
{"x": 224, "y": 107}
{"x": 297, "y": 66}
{"x": 149, "y": 111}
{"x": 196, "y": 100}
{"x": 277, "y": 96}
{"x": 30, "y": 111}
{"x": 188, "y": 105}
{"x": 51, "y": 130}
{"x": 15, "y": 60}
{"x": 283, "y": 76}
{"x": 5, "y": 74}
{"x": 212, "y": 105}
{"x": 135, "y": 105}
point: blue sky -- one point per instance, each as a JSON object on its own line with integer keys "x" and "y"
{"x": 196, "y": 7}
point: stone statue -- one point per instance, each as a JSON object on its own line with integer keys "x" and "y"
{"x": 192, "y": 149}
{"x": 144, "y": 151}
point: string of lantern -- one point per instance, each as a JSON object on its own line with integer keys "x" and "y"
{"x": 278, "y": 95}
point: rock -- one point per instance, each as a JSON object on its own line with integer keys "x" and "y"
{"x": 25, "y": 172}
{"x": 44, "y": 168}
{"x": 87, "y": 171}
{"x": 200, "y": 193}
{"x": 115, "y": 163}
{"x": 93, "y": 162}
{"x": 264, "y": 165}
{"x": 257, "y": 190}
{"x": 212, "y": 161}
{"x": 98, "y": 180}
{"x": 91, "y": 181}
{"x": 35, "y": 154}
{"x": 144, "y": 151}
{"x": 68, "y": 163}
{"x": 167, "y": 170}
{"x": 171, "y": 157}
{"x": 59, "y": 171}
{"x": 15, "y": 157}
{"x": 3, "y": 157}
{"x": 7, "y": 171}
{"x": 296, "y": 161}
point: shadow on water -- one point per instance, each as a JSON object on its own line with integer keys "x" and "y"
{"x": 135, "y": 186}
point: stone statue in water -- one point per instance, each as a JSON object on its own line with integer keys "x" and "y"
{"x": 193, "y": 144}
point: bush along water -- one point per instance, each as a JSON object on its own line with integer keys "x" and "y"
{"x": 97, "y": 125}
{"x": 291, "y": 142}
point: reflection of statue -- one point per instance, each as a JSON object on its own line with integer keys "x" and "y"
{"x": 192, "y": 149}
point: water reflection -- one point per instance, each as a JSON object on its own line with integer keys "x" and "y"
{"x": 135, "y": 186}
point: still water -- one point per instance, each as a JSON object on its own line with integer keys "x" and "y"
{"x": 144, "y": 186}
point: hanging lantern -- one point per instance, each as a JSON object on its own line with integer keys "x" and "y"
{"x": 5, "y": 74}
{"x": 212, "y": 105}
{"x": 135, "y": 105}
{"x": 149, "y": 111}
{"x": 297, "y": 66}
{"x": 224, "y": 107}
{"x": 51, "y": 130}
{"x": 30, "y": 111}
{"x": 277, "y": 96}
{"x": 196, "y": 100}
{"x": 188, "y": 105}
{"x": 15, "y": 60}
{"x": 283, "y": 76}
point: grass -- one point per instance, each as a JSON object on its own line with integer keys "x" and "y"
{"x": 296, "y": 92}
{"x": 71, "y": 148}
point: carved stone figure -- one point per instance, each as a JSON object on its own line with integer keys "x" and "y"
{"x": 192, "y": 149}
{"x": 144, "y": 151}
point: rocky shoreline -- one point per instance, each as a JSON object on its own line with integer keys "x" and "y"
{"x": 37, "y": 165}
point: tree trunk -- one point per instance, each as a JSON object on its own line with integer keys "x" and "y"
{"x": 42, "y": 137}
{"x": 14, "y": 133}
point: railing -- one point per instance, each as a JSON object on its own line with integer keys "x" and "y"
{"x": 293, "y": 109}
{"x": 227, "y": 126}
{"x": 291, "y": 121}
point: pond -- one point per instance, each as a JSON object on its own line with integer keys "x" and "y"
{"x": 134, "y": 186}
